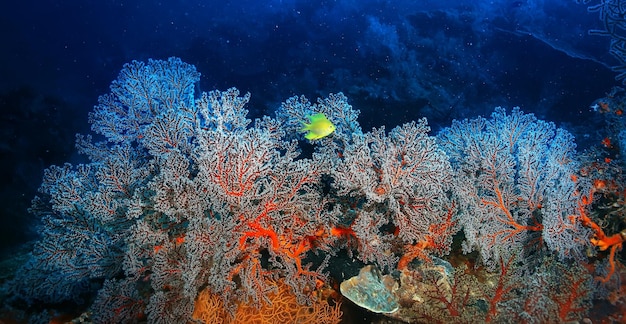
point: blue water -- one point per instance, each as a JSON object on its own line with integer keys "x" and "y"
{"x": 396, "y": 61}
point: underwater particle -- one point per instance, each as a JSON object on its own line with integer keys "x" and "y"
{"x": 319, "y": 127}
{"x": 370, "y": 291}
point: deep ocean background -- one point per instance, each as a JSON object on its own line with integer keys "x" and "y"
{"x": 396, "y": 60}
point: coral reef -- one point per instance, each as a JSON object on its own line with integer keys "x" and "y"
{"x": 282, "y": 307}
{"x": 187, "y": 208}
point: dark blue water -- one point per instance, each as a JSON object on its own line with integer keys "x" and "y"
{"x": 396, "y": 61}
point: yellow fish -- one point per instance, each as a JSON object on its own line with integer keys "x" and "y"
{"x": 319, "y": 127}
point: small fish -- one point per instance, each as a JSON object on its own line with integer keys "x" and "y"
{"x": 319, "y": 127}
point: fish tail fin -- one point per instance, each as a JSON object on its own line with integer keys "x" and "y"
{"x": 305, "y": 127}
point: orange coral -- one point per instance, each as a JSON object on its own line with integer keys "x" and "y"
{"x": 283, "y": 308}
{"x": 435, "y": 240}
{"x": 569, "y": 301}
{"x": 513, "y": 226}
{"x": 501, "y": 290}
{"x": 600, "y": 239}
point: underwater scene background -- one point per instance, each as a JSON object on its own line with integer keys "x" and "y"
{"x": 313, "y": 161}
